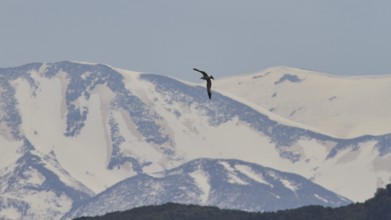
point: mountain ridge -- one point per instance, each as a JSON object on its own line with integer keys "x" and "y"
{"x": 337, "y": 105}
{"x": 223, "y": 183}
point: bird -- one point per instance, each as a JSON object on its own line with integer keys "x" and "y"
{"x": 208, "y": 78}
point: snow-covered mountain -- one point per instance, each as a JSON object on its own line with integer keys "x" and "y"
{"x": 89, "y": 126}
{"x": 36, "y": 186}
{"x": 226, "y": 183}
{"x": 343, "y": 106}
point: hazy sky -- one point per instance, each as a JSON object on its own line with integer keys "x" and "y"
{"x": 222, "y": 37}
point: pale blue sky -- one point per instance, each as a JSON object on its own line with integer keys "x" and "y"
{"x": 222, "y": 37}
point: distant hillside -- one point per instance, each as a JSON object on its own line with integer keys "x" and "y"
{"x": 377, "y": 208}
{"x": 222, "y": 183}
{"x": 343, "y": 106}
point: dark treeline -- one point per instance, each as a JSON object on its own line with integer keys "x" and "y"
{"x": 377, "y": 208}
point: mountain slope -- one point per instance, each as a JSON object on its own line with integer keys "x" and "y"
{"x": 228, "y": 184}
{"x": 274, "y": 143}
{"x": 97, "y": 125}
{"x": 34, "y": 179}
{"x": 345, "y": 107}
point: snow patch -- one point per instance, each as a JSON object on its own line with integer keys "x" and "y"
{"x": 35, "y": 177}
{"x": 201, "y": 179}
{"x": 232, "y": 174}
{"x": 321, "y": 198}
{"x": 289, "y": 184}
{"x": 258, "y": 177}
{"x": 10, "y": 213}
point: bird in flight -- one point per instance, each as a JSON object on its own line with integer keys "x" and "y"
{"x": 208, "y": 78}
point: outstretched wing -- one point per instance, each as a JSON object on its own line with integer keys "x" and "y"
{"x": 203, "y": 73}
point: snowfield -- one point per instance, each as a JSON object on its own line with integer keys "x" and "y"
{"x": 343, "y": 106}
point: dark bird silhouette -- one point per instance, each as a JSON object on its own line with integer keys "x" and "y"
{"x": 208, "y": 78}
